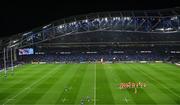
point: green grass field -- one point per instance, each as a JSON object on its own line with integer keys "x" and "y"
{"x": 94, "y": 84}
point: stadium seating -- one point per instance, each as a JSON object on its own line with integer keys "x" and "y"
{"x": 93, "y": 57}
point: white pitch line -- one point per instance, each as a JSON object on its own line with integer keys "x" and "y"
{"x": 95, "y": 85}
{"x": 28, "y": 87}
{"x": 160, "y": 84}
{"x": 126, "y": 100}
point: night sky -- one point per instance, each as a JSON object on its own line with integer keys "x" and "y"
{"x": 19, "y": 16}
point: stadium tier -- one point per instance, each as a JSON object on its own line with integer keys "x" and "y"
{"x": 151, "y": 35}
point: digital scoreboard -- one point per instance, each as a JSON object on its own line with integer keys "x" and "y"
{"x": 26, "y": 51}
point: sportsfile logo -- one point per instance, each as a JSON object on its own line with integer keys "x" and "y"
{"x": 132, "y": 85}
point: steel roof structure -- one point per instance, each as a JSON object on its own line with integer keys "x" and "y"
{"x": 149, "y": 21}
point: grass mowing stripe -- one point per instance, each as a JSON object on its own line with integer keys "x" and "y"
{"x": 87, "y": 87}
{"x": 13, "y": 79}
{"x": 124, "y": 78}
{"x": 49, "y": 90}
{"x": 164, "y": 88}
{"x": 26, "y": 88}
{"x": 157, "y": 79}
{"x": 152, "y": 88}
{"x": 53, "y": 94}
{"x": 14, "y": 88}
{"x": 169, "y": 67}
{"x": 36, "y": 91}
{"x": 127, "y": 78}
{"x": 170, "y": 81}
{"x": 173, "y": 79}
{"x": 104, "y": 94}
{"x": 75, "y": 83}
{"x": 120, "y": 96}
{"x": 2, "y": 74}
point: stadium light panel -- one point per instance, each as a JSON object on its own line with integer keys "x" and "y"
{"x": 46, "y": 26}
{"x": 60, "y": 26}
{"x": 127, "y": 18}
{"x": 97, "y": 19}
{"x": 73, "y": 23}
{"x": 106, "y": 19}
{"x": 169, "y": 29}
{"x": 174, "y": 18}
{"x": 86, "y": 20}
{"x": 27, "y": 33}
{"x": 160, "y": 29}
{"x": 116, "y": 18}
{"x": 15, "y": 41}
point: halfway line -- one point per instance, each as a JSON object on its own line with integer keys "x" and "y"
{"x": 95, "y": 85}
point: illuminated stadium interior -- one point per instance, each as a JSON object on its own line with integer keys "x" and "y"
{"x": 127, "y": 32}
{"x": 112, "y": 55}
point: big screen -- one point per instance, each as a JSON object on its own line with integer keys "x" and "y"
{"x": 26, "y": 51}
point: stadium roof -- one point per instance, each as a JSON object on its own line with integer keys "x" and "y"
{"x": 126, "y": 13}
{"x": 21, "y": 16}
{"x": 163, "y": 20}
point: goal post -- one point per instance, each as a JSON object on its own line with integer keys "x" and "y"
{"x": 5, "y": 66}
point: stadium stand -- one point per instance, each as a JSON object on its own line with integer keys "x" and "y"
{"x": 111, "y": 36}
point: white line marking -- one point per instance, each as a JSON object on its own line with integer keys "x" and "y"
{"x": 11, "y": 99}
{"x": 30, "y": 86}
{"x": 160, "y": 84}
{"x": 95, "y": 85}
{"x": 126, "y": 100}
